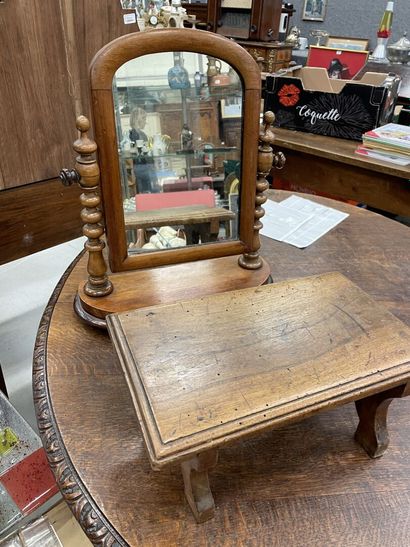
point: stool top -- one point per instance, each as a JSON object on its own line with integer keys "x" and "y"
{"x": 209, "y": 371}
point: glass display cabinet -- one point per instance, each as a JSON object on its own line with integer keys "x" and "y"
{"x": 177, "y": 185}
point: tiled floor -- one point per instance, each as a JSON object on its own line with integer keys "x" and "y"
{"x": 26, "y": 285}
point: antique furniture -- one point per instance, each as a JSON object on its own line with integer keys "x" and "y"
{"x": 248, "y": 20}
{"x": 156, "y": 123}
{"x": 270, "y": 57}
{"x": 329, "y": 165}
{"x": 279, "y": 488}
{"x": 196, "y": 389}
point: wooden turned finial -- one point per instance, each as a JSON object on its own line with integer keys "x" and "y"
{"x": 251, "y": 260}
{"x": 88, "y": 170}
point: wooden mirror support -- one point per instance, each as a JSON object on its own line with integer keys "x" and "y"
{"x": 266, "y": 159}
{"x": 87, "y": 174}
{"x": 157, "y": 277}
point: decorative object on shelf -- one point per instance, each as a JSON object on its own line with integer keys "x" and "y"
{"x": 314, "y": 10}
{"x": 178, "y": 75}
{"x": 379, "y": 55}
{"x": 399, "y": 52}
{"x": 160, "y": 144}
{"x": 187, "y": 138}
{"x": 318, "y": 34}
{"x": 197, "y": 82}
{"x": 292, "y": 39}
{"x": 341, "y": 42}
{"x": 234, "y": 78}
{"x": 161, "y": 15}
{"x": 214, "y": 69}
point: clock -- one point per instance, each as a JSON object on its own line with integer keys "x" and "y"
{"x": 153, "y": 20}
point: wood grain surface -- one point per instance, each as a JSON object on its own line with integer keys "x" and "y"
{"x": 308, "y": 484}
{"x": 169, "y": 284}
{"x": 45, "y": 84}
{"x": 329, "y": 165}
{"x": 210, "y": 371}
{"x": 37, "y": 216}
{"x": 190, "y": 214}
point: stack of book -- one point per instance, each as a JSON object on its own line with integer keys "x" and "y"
{"x": 390, "y": 142}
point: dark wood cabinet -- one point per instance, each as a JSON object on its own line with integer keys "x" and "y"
{"x": 202, "y": 119}
{"x": 44, "y": 85}
{"x": 270, "y": 57}
{"x": 245, "y": 19}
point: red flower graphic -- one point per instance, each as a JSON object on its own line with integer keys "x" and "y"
{"x": 289, "y": 95}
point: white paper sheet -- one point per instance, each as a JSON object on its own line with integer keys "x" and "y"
{"x": 299, "y": 221}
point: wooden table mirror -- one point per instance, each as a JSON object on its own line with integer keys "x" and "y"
{"x": 176, "y": 121}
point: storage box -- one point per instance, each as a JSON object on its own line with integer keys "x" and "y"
{"x": 311, "y": 101}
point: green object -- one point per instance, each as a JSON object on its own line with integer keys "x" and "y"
{"x": 8, "y": 440}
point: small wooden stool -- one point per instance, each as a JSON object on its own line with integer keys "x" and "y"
{"x": 214, "y": 370}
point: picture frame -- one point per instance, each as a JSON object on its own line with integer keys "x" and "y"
{"x": 341, "y": 64}
{"x": 231, "y": 109}
{"x": 345, "y": 42}
{"x": 314, "y": 10}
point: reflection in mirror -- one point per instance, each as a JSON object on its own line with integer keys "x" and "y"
{"x": 179, "y": 120}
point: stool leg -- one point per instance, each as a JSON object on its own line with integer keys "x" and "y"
{"x": 196, "y": 483}
{"x": 371, "y": 433}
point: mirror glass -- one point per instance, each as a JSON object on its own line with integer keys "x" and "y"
{"x": 179, "y": 125}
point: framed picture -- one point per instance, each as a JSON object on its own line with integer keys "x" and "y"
{"x": 314, "y": 10}
{"x": 231, "y": 108}
{"x": 341, "y": 64}
{"x": 340, "y": 42}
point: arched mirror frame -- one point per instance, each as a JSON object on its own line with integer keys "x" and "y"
{"x": 102, "y": 71}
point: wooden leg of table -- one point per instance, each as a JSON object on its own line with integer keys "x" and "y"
{"x": 196, "y": 484}
{"x": 372, "y": 432}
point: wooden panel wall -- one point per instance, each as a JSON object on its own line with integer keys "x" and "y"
{"x": 37, "y": 216}
{"x": 46, "y": 46}
{"x": 35, "y": 108}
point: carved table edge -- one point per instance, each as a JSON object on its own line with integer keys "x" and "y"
{"x": 85, "y": 510}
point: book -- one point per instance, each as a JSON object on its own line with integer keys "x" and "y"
{"x": 382, "y": 155}
{"x": 386, "y": 148}
{"x": 391, "y": 136}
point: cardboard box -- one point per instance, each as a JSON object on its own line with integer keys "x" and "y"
{"x": 311, "y": 101}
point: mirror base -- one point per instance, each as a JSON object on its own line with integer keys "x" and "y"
{"x": 168, "y": 284}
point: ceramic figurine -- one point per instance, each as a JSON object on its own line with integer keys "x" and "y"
{"x": 292, "y": 39}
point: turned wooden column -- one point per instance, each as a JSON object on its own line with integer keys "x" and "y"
{"x": 251, "y": 260}
{"x": 87, "y": 174}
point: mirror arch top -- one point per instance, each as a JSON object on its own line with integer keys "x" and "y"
{"x": 103, "y": 69}
{"x": 125, "y": 48}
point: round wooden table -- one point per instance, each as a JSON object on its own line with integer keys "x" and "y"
{"x": 307, "y": 484}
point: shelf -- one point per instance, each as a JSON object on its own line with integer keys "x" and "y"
{"x": 129, "y": 154}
